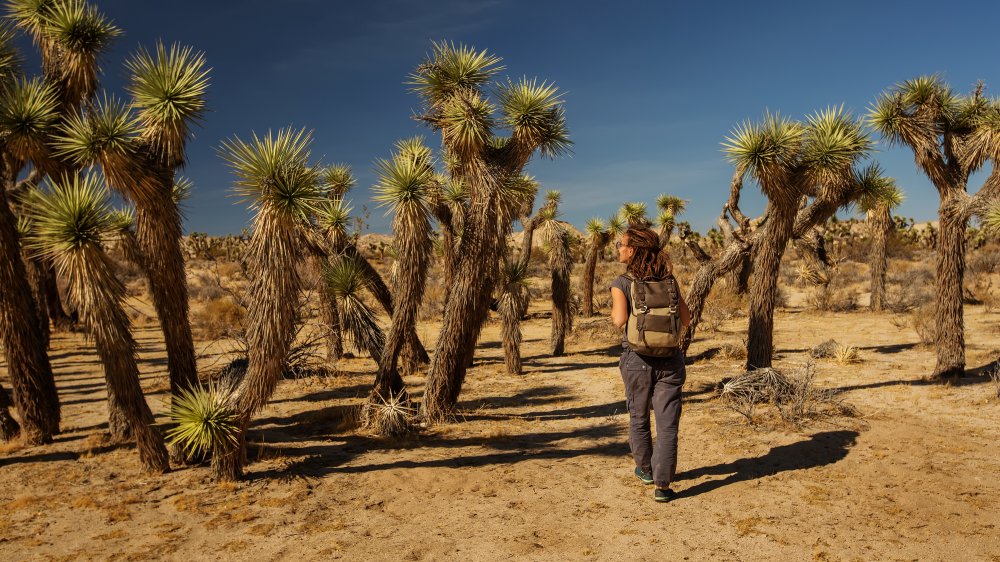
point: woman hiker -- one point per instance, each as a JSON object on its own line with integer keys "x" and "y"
{"x": 653, "y": 379}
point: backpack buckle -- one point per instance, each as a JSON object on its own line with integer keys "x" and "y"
{"x": 642, "y": 309}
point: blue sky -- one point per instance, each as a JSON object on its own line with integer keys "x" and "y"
{"x": 651, "y": 88}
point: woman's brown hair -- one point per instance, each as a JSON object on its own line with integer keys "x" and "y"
{"x": 647, "y": 261}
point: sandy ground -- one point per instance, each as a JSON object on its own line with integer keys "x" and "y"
{"x": 539, "y": 467}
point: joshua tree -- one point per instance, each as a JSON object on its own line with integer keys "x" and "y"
{"x": 275, "y": 177}
{"x": 878, "y": 207}
{"x": 634, "y": 214}
{"x": 599, "y": 238}
{"x": 512, "y": 304}
{"x": 451, "y": 84}
{"x": 404, "y": 186}
{"x": 332, "y": 218}
{"x": 561, "y": 264}
{"x": 669, "y": 207}
{"x": 70, "y": 224}
{"x": 789, "y": 161}
{"x": 139, "y": 146}
{"x": 28, "y": 110}
{"x": 951, "y": 137}
{"x": 991, "y": 218}
{"x": 545, "y": 214}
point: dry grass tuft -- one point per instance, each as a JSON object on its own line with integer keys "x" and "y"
{"x": 847, "y": 355}
{"x": 796, "y": 398}
{"x": 391, "y": 416}
{"x": 732, "y": 351}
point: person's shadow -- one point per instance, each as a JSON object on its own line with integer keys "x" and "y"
{"x": 819, "y": 450}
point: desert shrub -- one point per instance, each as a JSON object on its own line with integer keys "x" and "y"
{"x": 833, "y": 297}
{"x": 922, "y": 322}
{"x": 908, "y": 288}
{"x": 722, "y": 305}
{"x": 795, "y": 398}
{"x": 780, "y": 297}
{"x": 204, "y": 286}
{"x": 597, "y": 330}
{"x": 220, "y": 317}
{"x": 733, "y": 351}
{"x": 978, "y": 288}
{"x": 824, "y": 350}
{"x": 984, "y": 261}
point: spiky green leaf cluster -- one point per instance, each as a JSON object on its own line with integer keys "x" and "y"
{"x": 834, "y": 140}
{"x": 876, "y": 190}
{"x": 991, "y": 218}
{"x": 671, "y": 204}
{"x": 30, "y": 15}
{"x": 767, "y": 149}
{"x": 203, "y": 422}
{"x": 29, "y": 110}
{"x": 10, "y": 57}
{"x": 594, "y": 226}
{"x": 404, "y": 180}
{"x": 634, "y": 213}
{"x": 75, "y": 33}
{"x": 534, "y": 112}
{"x": 338, "y": 180}
{"x": 107, "y": 128}
{"x": 274, "y": 172}
{"x": 453, "y": 68}
{"x": 168, "y": 92}
{"x": 346, "y": 279}
{"x": 71, "y": 215}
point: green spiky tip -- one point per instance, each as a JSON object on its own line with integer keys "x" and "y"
{"x": 202, "y": 420}
{"x": 79, "y": 27}
{"x": 450, "y": 68}
{"x": 273, "y": 171}
{"x": 108, "y": 127}
{"x": 168, "y": 86}
{"x": 72, "y": 214}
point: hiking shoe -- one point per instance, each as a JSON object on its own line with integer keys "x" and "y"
{"x": 645, "y": 477}
{"x": 663, "y": 496}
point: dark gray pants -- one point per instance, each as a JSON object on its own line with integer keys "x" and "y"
{"x": 653, "y": 383}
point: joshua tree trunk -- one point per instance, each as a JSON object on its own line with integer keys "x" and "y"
{"x": 61, "y": 321}
{"x": 881, "y": 222}
{"x": 411, "y": 280}
{"x": 561, "y": 263}
{"x": 270, "y": 328}
{"x": 27, "y": 363}
{"x": 598, "y": 243}
{"x": 730, "y": 260}
{"x": 465, "y": 310}
{"x": 334, "y": 340}
{"x": 9, "y": 429}
{"x": 158, "y": 233}
{"x": 767, "y": 254}
{"x": 378, "y": 288}
{"x": 36, "y": 280}
{"x": 950, "y": 327}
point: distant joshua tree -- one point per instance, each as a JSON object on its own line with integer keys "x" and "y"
{"x": 951, "y": 137}
{"x": 561, "y": 265}
{"x": 669, "y": 207}
{"x": 598, "y": 238}
{"x": 878, "y": 207}
{"x": 452, "y": 85}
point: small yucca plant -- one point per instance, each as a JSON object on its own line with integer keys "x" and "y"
{"x": 203, "y": 421}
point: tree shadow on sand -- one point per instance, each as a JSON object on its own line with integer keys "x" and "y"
{"x": 819, "y": 450}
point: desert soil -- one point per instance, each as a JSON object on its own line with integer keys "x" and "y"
{"x": 538, "y": 467}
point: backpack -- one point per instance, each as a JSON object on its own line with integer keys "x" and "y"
{"x": 654, "y": 322}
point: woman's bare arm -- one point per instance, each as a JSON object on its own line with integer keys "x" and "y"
{"x": 619, "y": 307}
